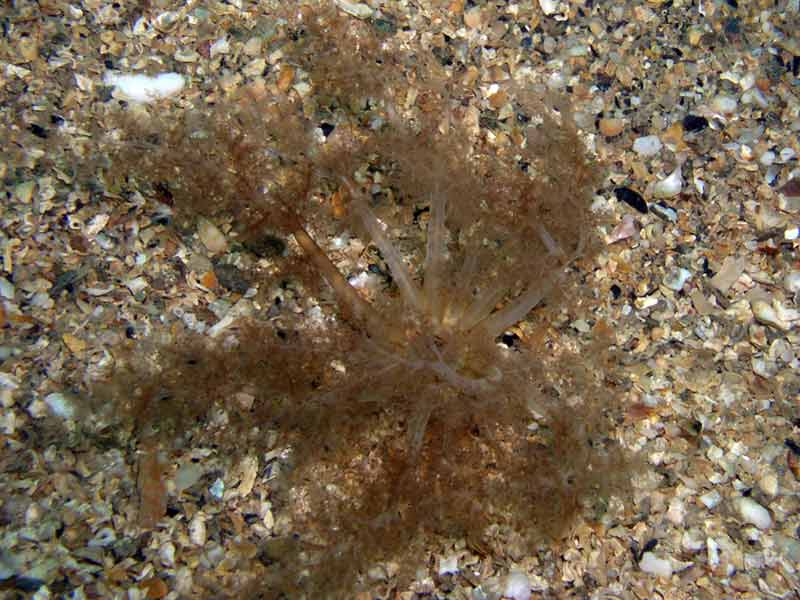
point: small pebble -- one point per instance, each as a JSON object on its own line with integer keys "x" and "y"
{"x": 104, "y": 537}
{"x": 791, "y": 189}
{"x": 648, "y": 145}
{"x": 548, "y": 7}
{"x": 694, "y": 123}
{"x": 24, "y": 191}
{"x": 188, "y": 475}
{"x": 723, "y": 104}
{"x": 711, "y": 499}
{"x": 611, "y": 127}
{"x": 6, "y": 289}
{"x": 518, "y": 586}
{"x": 448, "y": 565}
{"x": 728, "y": 274}
{"x": 752, "y": 512}
{"x": 473, "y": 18}
{"x": 221, "y": 46}
{"x": 231, "y": 278}
{"x": 217, "y": 489}
{"x": 359, "y": 10}
{"x": 631, "y": 198}
{"x": 713, "y": 552}
{"x": 769, "y": 484}
{"x": 650, "y": 563}
{"x": 676, "y": 278}
{"x": 213, "y": 239}
{"x": 665, "y": 212}
{"x": 136, "y": 285}
{"x": 791, "y": 282}
{"x": 624, "y": 230}
{"x": 767, "y": 158}
{"x": 765, "y": 313}
{"x": 789, "y": 547}
{"x": 197, "y": 529}
{"x": 59, "y": 405}
{"x": 143, "y": 88}
{"x": 167, "y": 554}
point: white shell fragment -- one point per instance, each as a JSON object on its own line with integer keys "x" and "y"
{"x": 144, "y": 88}
{"x": 670, "y": 186}
{"x": 752, "y": 512}
{"x": 650, "y": 563}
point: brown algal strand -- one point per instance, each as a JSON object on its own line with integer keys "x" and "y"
{"x": 405, "y": 421}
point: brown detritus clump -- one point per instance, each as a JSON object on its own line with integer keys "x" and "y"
{"x": 402, "y": 415}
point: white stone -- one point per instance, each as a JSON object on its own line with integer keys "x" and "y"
{"x": 197, "y": 529}
{"x": 711, "y": 499}
{"x": 143, "y": 88}
{"x": 137, "y": 284}
{"x": 650, "y": 563}
{"x": 724, "y": 104}
{"x": 6, "y": 289}
{"x": 676, "y": 512}
{"x": 648, "y": 145}
{"x": 767, "y": 158}
{"x": 769, "y": 484}
{"x": 213, "y": 239}
{"x": 713, "y": 552}
{"x": 355, "y": 9}
{"x": 791, "y": 281}
{"x": 748, "y": 81}
{"x": 549, "y": 7}
{"x": 518, "y": 586}
{"x": 752, "y": 512}
{"x": 448, "y": 565}
{"x": 765, "y": 313}
{"x": 167, "y": 554}
{"x": 676, "y": 278}
{"x": 59, "y": 405}
{"x": 221, "y": 46}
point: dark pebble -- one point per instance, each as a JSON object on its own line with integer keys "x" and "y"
{"x": 631, "y": 198}
{"x": 693, "y": 123}
{"x": 38, "y": 131}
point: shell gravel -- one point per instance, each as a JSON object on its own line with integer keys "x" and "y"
{"x": 691, "y": 105}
